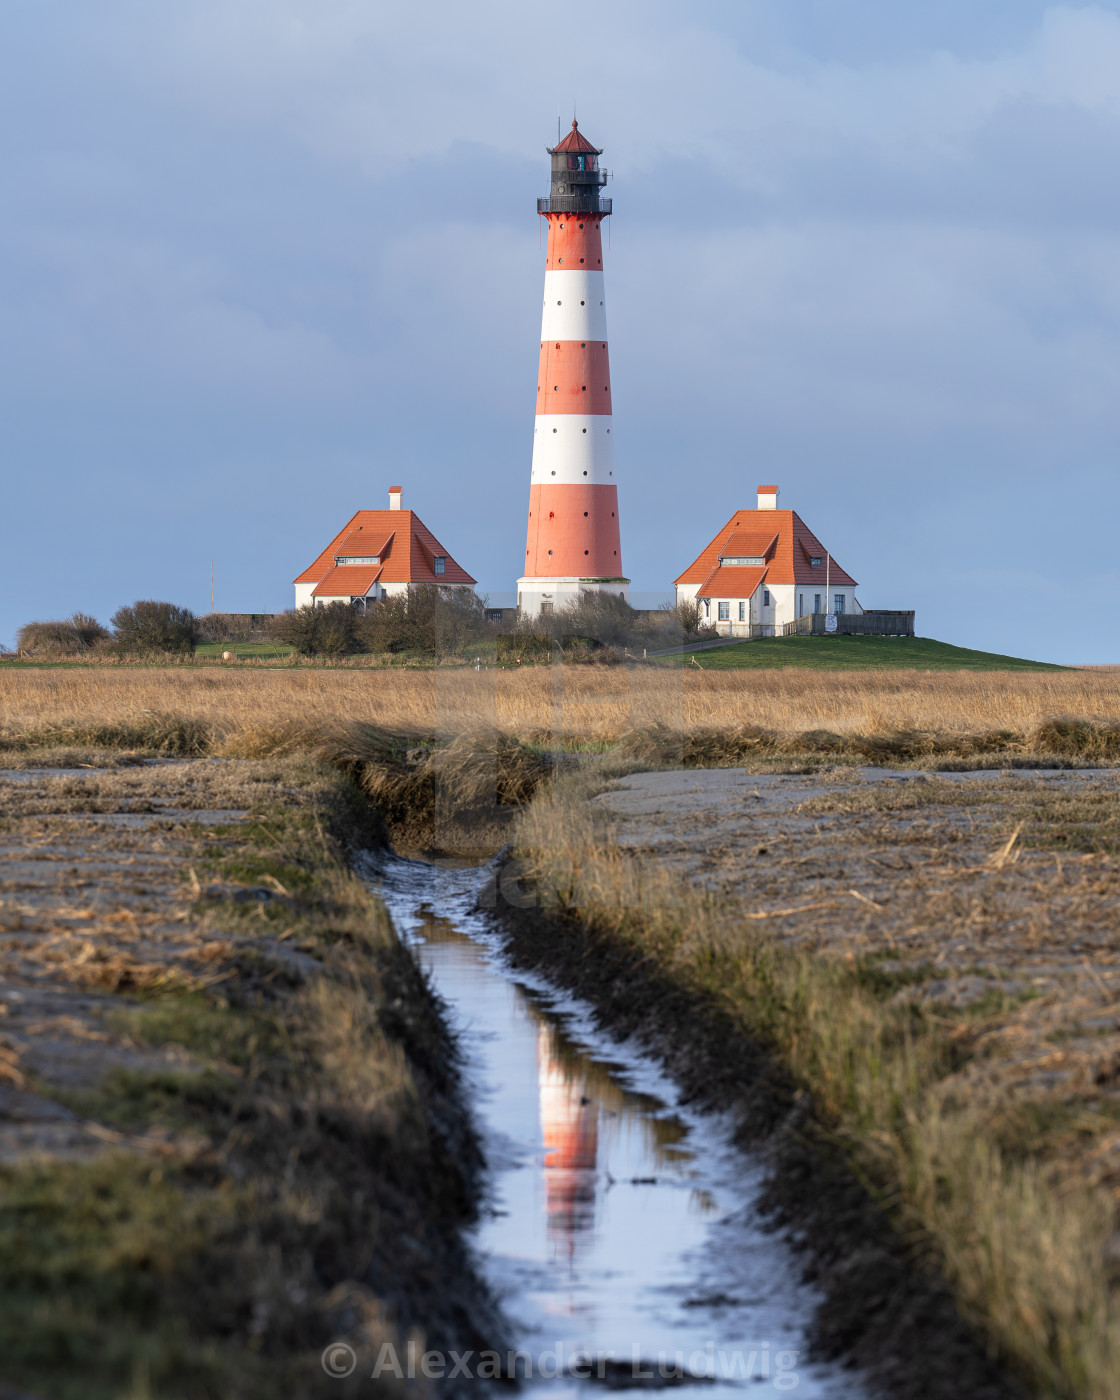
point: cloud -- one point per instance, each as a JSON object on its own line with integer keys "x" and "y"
{"x": 271, "y": 242}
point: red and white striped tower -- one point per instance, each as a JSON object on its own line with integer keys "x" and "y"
{"x": 573, "y": 541}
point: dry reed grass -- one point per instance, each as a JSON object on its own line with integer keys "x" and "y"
{"x": 558, "y": 706}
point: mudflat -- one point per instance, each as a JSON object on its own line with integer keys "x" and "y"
{"x": 219, "y": 1074}
{"x": 988, "y": 898}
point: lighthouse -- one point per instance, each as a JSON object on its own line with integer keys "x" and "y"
{"x": 573, "y": 543}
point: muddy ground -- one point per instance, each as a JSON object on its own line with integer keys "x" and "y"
{"x": 993, "y": 898}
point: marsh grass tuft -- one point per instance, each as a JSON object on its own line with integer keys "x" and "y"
{"x": 904, "y": 716}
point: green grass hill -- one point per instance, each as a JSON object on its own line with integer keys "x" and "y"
{"x": 844, "y": 653}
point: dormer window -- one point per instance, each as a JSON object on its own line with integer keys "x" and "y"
{"x": 739, "y": 560}
{"x": 816, "y": 561}
{"x": 439, "y": 564}
{"x": 357, "y": 559}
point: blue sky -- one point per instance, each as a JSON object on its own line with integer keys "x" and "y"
{"x": 259, "y": 259}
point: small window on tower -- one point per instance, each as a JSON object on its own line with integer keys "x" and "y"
{"x": 439, "y": 564}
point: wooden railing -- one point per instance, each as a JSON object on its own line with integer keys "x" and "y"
{"x": 879, "y": 623}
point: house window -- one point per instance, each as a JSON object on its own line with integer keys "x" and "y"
{"x": 725, "y": 612}
{"x": 839, "y": 601}
{"x": 816, "y": 602}
{"x": 439, "y": 564}
{"x": 765, "y": 597}
{"x": 817, "y": 561}
{"x": 801, "y": 605}
{"x": 546, "y": 608}
{"x": 742, "y": 611}
{"x": 740, "y": 560}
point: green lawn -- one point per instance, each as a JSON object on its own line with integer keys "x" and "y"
{"x": 857, "y": 654}
{"x": 250, "y": 649}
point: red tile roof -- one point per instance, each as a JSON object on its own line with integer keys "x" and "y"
{"x": 732, "y": 581}
{"x": 399, "y": 538}
{"x": 576, "y": 142}
{"x": 788, "y": 559}
{"x": 347, "y": 581}
{"x": 361, "y": 543}
{"x": 748, "y": 543}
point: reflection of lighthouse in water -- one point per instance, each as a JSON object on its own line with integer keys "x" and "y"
{"x": 570, "y": 1125}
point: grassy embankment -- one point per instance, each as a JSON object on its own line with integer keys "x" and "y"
{"x": 1002, "y": 1186}
{"x": 298, "y": 1170}
{"x": 842, "y": 653}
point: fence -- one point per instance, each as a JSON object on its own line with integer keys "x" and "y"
{"x": 883, "y": 623}
{"x": 585, "y": 202}
{"x": 748, "y": 631}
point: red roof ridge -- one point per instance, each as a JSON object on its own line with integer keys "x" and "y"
{"x": 386, "y": 541}
{"x": 575, "y": 141}
{"x": 735, "y": 580}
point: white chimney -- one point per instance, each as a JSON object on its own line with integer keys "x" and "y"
{"x": 394, "y": 498}
{"x": 768, "y": 498}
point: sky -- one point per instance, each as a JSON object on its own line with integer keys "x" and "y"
{"x": 260, "y": 259}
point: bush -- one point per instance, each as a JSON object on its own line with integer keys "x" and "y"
{"x": 149, "y": 626}
{"x": 233, "y": 627}
{"x": 330, "y": 630}
{"x": 687, "y": 618}
{"x": 430, "y": 620}
{"x": 593, "y": 622}
{"x": 77, "y": 634}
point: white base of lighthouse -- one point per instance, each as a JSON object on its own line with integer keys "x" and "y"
{"x": 537, "y": 595}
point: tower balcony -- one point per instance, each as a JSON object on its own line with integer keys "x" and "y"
{"x": 582, "y": 202}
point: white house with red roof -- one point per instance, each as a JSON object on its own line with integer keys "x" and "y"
{"x": 763, "y": 569}
{"x": 378, "y": 553}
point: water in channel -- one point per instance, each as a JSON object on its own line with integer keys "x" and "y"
{"x": 620, "y": 1223}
